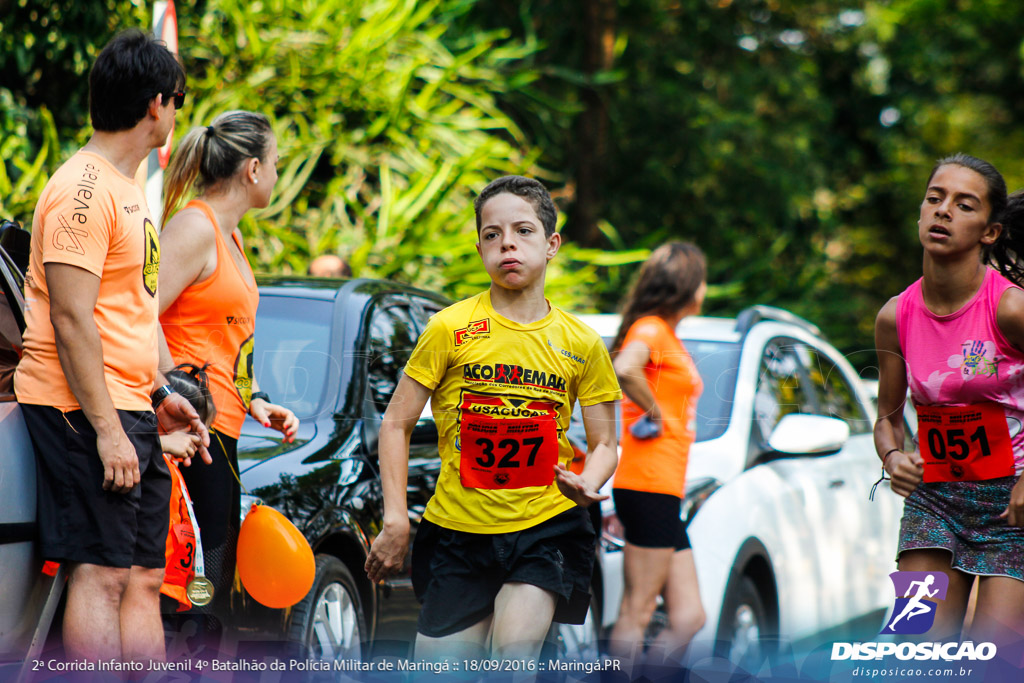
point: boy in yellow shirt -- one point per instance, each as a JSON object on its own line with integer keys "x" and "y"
{"x": 505, "y": 538}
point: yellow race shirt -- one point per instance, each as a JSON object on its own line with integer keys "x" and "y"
{"x": 503, "y": 393}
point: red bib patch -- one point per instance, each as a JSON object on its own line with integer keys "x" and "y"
{"x": 964, "y": 443}
{"x": 507, "y": 443}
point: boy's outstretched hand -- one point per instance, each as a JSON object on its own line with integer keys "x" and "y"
{"x": 575, "y": 488}
{"x": 387, "y": 554}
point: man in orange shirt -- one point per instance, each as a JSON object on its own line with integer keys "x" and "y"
{"x": 87, "y": 381}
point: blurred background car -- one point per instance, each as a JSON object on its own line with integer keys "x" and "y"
{"x": 333, "y": 351}
{"x": 909, "y": 413}
{"x": 787, "y": 546}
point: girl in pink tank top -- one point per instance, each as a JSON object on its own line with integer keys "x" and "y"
{"x": 954, "y": 340}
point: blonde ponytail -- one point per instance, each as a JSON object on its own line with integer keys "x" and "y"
{"x": 213, "y": 153}
{"x": 183, "y": 170}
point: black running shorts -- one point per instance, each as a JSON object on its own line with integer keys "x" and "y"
{"x": 651, "y": 520}
{"x": 457, "y": 575}
{"x": 77, "y": 520}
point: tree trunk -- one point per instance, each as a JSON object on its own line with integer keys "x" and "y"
{"x": 592, "y": 133}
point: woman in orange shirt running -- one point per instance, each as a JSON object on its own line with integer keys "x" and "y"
{"x": 208, "y": 300}
{"x": 661, "y": 386}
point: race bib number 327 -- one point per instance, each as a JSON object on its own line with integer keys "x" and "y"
{"x": 964, "y": 443}
{"x": 508, "y": 452}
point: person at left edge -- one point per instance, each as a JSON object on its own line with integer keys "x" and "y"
{"x": 88, "y": 381}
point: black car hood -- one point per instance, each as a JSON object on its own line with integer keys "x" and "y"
{"x": 258, "y": 443}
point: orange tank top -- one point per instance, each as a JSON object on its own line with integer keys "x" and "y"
{"x": 213, "y": 321}
{"x": 659, "y": 465}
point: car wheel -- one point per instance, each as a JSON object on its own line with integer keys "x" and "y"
{"x": 329, "y": 624}
{"x": 744, "y": 626}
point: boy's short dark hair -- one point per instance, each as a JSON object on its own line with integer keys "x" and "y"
{"x": 529, "y": 189}
{"x": 130, "y": 71}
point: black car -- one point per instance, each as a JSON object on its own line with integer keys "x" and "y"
{"x": 333, "y": 352}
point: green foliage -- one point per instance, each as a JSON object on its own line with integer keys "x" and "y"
{"x": 47, "y": 49}
{"x": 385, "y": 133}
{"x": 788, "y": 138}
{"x": 26, "y": 165}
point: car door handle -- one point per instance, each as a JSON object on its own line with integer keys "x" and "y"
{"x": 836, "y": 483}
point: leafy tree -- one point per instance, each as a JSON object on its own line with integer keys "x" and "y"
{"x": 386, "y": 132}
{"x": 788, "y": 138}
{"x": 47, "y": 49}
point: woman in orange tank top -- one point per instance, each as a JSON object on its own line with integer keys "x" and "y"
{"x": 208, "y": 301}
{"x": 661, "y": 386}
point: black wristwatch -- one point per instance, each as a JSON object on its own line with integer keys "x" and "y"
{"x": 259, "y": 394}
{"x": 158, "y": 396}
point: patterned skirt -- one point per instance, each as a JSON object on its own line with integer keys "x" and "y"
{"x": 963, "y": 518}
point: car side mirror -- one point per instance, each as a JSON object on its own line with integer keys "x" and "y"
{"x": 799, "y": 434}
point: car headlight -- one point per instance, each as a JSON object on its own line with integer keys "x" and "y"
{"x": 697, "y": 491}
{"x": 247, "y": 502}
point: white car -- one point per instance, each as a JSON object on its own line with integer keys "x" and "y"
{"x": 786, "y": 543}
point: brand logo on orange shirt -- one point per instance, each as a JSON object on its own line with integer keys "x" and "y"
{"x": 151, "y": 268}
{"x": 67, "y": 238}
{"x": 473, "y": 330}
{"x": 243, "y": 371}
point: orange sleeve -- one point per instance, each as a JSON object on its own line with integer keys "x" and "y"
{"x": 652, "y": 332}
{"x": 77, "y": 223}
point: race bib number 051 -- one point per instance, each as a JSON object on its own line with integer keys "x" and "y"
{"x": 964, "y": 443}
{"x": 511, "y": 452}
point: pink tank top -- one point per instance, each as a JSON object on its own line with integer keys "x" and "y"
{"x": 962, "y": 358}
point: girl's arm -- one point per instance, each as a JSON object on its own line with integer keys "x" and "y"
{"x": 1010, "y": 318}
{"x": 905, "y": 467}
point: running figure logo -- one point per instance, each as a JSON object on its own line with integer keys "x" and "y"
{"x": 917, "y": 595}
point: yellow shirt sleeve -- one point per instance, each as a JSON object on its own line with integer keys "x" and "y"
{"x": 598, "y": 383}
{"x": 432, "y": 356}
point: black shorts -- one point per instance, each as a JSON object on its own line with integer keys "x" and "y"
{"x": 457, "y": 574}
{"x": 77, "y": 520}
{"x": 215, "y": 492}
{"x": 651, "y": 520}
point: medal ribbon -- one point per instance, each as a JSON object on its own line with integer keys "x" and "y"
{"x": 199, "y": 565}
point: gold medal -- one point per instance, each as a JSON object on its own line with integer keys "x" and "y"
{"x": 200, "y": 590}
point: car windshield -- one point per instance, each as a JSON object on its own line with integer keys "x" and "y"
{"x": 291, "y": 352}
{"x": 717, "y": 362}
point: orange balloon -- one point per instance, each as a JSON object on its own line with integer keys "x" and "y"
{"x": 275, "y": 561}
